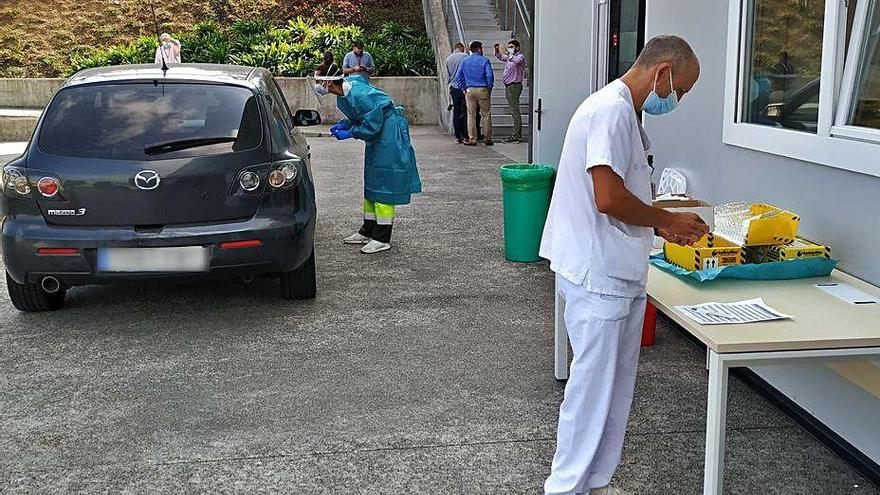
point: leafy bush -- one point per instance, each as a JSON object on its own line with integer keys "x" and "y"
{"x": 294, "y": 49}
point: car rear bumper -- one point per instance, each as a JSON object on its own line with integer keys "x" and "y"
{"x": 286, "y": 242}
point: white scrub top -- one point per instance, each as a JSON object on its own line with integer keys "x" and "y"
{"x": 584, "y": 245}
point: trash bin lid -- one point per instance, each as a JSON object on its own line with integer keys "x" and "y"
{"x": 526, "y": 173}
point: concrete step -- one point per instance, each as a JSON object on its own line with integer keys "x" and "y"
{"x": 478, "y": 15}
{"x": 476, "y": 12}
{"x": 17, "y": 124}
{"x": 501, "y": 108}
{"x": 479, "y": 26}
{"x": 488, "y": 23}
{"x": 505, "y": 120}
{"x": 502, "y": 103}
{"x": 489, "y": 36}
{"x": 499, "y": 133}
{"x": 475, "y": 4}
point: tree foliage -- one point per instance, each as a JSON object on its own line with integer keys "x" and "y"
{"x": 293, "y": 49}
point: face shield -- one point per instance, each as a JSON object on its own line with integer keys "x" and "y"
{"x": 321, "y": 83}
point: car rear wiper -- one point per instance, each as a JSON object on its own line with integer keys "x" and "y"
{"x": 182, "y": 144}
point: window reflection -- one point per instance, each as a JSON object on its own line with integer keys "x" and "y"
{"x": 784, "y": 61}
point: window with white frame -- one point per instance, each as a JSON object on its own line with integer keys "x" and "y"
{"x": 783, "y": 60}
{"x": 861, "y": 92}
{"x": 803, "y": 80}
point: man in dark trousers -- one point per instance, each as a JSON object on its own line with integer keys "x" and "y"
{"x": 459, "y": 106}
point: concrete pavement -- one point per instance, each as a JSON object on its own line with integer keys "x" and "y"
{"x": 424, "y": 370}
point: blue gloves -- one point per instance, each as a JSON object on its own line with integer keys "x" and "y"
{"x": 343, "y": 125}
{"x": 341, "y": 134}
{"x": 342, "y": 130}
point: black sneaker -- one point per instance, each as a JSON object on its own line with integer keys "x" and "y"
{"x": 489, "y": 142}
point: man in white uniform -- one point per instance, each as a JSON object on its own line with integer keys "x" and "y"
{"x": 598, "y": 237}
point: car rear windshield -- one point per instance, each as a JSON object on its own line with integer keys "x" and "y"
{"x": 129, "y": 121}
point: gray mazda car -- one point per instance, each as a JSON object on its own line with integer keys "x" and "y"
{"x": 133, "y": 172}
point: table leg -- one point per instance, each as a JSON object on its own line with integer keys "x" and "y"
{"x": 649, "y": 327}
{"x": 716, "y": 424}
{"x": 560, "y": 341}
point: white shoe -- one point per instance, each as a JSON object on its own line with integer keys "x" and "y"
{"x": 375, "y": 246}
{"x": 608, "y": 490}
{"x": 356, "y": 238}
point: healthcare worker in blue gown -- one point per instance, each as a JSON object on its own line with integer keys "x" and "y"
{"x": 390, "y": 173}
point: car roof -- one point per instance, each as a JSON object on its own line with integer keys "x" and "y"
{"x": 212, "y": 73}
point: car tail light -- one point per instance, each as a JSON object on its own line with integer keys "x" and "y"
{"x": 249, "y": 181}
{"x": 241, "y": 244}
{"x": 57, "y": 251}
{"x": 290, "y": 170}
{"x": 284, "y": 173}
{"x": 15, "y": 182}
{"x": 48, "y": 187}
{"x": 276, "y": 178}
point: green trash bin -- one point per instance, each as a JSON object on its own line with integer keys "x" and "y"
{"x": 526, "y": 200}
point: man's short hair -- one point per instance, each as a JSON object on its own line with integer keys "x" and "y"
{"x": 666, "y": 48}
{"x": 459, "y": 46}
{"x": 358, "y": 44}
{"x": 514, "y": 43}
{"x": 476, "y": 46}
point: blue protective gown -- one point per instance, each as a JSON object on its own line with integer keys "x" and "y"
{"x": 390, "y": 172}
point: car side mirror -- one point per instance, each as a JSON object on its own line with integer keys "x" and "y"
{"x": 305, "y": 118}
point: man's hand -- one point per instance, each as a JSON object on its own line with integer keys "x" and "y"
{"x": 613, "y": 199}
{"x": 665, "y": 234}
{"x": 684, "y": 229}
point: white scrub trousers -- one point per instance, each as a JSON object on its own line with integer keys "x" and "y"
{"x": 605, "y": 334}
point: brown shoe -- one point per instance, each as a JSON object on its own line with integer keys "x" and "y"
{"x": 469, "y": 143}
{"x": 489, "y": 142}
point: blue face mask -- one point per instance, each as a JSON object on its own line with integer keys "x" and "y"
{"x": 655, "y": 105}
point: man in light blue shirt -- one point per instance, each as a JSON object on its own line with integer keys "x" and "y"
{"x": 359, "y": 62}
{"x": 459, "y": 105}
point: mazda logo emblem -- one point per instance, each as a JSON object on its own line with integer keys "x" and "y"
{"x": 147, "y": 180}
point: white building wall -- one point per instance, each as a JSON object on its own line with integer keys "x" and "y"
{"x": 836, "y": 206}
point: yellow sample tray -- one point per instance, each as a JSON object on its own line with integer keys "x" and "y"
{"x": 799, "y": 249}
{"x": 779, "y": 227}
{"x": 711, "y": 251}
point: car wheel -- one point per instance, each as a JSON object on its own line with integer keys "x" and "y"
{"x": 32, "y": 298}
{"x": 300, "y": 283}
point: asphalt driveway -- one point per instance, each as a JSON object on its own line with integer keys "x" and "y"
{"x": 426, "y": 369}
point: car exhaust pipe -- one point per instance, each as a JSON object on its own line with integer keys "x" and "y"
{"x": 247, "y": 279}
{"x": 50, "y": 284}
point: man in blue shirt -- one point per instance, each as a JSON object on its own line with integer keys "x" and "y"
{"x": 475, "y": 78}
{"x": 359, "y": 62}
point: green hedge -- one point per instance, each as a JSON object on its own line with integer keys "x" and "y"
{"x": 293, "y": 50}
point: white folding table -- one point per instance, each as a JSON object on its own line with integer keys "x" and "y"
{"x": 824, "y": 328}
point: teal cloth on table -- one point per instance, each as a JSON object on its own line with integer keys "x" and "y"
{"x": 779, "y": 270}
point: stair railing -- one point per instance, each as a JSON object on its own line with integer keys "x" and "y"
{"x": 453, "y": 12}
{"x": 515, "y": 16}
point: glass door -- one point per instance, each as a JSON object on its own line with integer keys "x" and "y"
{"x": 626, "y": 35}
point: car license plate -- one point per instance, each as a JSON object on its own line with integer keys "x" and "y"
{"x": 169, "y": 259}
